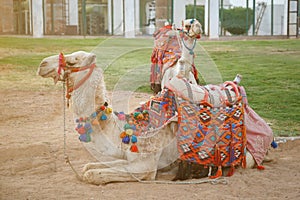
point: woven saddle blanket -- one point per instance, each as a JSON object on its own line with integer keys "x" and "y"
{"x": 258, "y": 132}
{"x": 208, "y": 135}
{"x": 165, "y": 53}
{"x": 211, "y": 136}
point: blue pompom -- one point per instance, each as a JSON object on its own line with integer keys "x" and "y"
{"x": 85, "y": 138}
{"x": 103, "y": 117}
{"x": 89, "y": 131}
{"x": 126, "y": 139}
{"x": 94, "y": 114}
{"x": 133, "y": 139}
{"x": 274, "y": 144}
{"x": 87, "y": 126}
{"x": 133, "y": 127}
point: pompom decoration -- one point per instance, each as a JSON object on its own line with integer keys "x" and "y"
{"x": 126, "y": 139}
{"x": 102, "y": 107}
{"x": 94, "y": 114}
{"x": 134, "y": 148}
{"x": 133, "y": 139}
{"x": 84, "y": 124}
{"x": 260, "y": 167}
{"x": 85, "y": 138}
{"x": 274, "y": 144}
{"x": 123, "y": 134}
{"x": 133, "y": 127}
{"x": 108, "y": 110}
{"x": 121, "y": 116}
{"x": 140, "y": 116}
{"x": 87, "y": 126}
{"x": 127, "y": 126}
{"x": 129, "y": 132}
{"x": 136, "y": 114}
{"x": 103, "y": 117}
{"x": 81, "y": 130}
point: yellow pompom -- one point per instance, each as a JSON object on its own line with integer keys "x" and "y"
{"x": 129, "y": 132}
{"x": 108, "y": 110}
{"x": 140, "y": 116}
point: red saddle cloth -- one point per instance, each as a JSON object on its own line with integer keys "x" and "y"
{"x": 166, "y": 52}
{"x": 211, "y": 136}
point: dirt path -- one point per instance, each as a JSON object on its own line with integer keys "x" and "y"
{"x": 33, "y": 167}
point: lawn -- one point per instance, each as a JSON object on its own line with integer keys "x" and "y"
{"x": 270, "y": 69}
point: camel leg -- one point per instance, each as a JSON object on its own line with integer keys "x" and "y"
{"x": 102, "y": 165}
{"x": 250, "y": 162}
{"x": 116, "y": 174}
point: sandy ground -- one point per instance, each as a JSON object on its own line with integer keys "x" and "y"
{"x": 32, "y": 164}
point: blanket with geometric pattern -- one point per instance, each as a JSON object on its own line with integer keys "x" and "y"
{"x": 211, "y": 136}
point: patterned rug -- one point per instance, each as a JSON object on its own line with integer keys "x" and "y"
{"x": 165, "y": 54}
{"x": 211, "y": 136}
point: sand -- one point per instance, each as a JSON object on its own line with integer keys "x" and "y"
{"x": 33, "y": 166}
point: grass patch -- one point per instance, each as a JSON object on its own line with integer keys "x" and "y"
{"x": 270, "y": 69}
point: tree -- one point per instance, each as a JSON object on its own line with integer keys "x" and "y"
{"x": 189, "y": 14}
{"x": 235, "y": 20}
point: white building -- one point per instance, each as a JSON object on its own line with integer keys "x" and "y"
{"x": 123, "y": 17}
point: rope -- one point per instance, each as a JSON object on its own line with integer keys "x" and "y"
{"x": 65, "y": 136}
{"x": 216, "y": 181}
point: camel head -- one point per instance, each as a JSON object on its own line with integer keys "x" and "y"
{"x": 192, "y": 28}
{"x": 56, "y": 66}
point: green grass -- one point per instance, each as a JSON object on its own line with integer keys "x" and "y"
{"x": 270, "y": 69}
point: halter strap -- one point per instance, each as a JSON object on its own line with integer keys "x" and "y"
{"x": 86, "y": 77}
{"x": 68, "y": 70}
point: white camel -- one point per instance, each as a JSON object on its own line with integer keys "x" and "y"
{"x": 85, "y": 84}
{"x": 186, "y": 38}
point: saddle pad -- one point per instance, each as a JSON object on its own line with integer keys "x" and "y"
{"x": 211, "y": 136}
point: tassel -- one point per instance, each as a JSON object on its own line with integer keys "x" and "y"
{"x": 231, "y": 171}
{"x": 134, "y": 148}
{"x": 218, "y": 174}
{"x": 260, "y": 167}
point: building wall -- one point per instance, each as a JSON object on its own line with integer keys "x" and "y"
{"x": 7, "y": 17}
{"x": 279, "y": 19}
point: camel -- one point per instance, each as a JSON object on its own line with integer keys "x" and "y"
{"x": 185, "y": 38}
{"x": 85, "y": 89}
